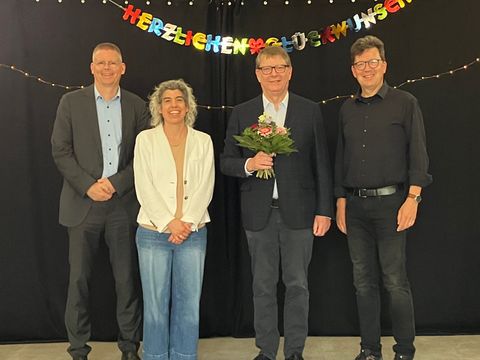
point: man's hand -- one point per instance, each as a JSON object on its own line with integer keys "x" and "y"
{"x": 180, "y": 231}
{"x": 321, "y": 224}
{"x": 408, "y": 211}
{"x": 341, "y": 217}
{"x": 407, "y": 214}
{"x": 107, "y": 185}
{"x": 259, "y": 162}
{"x": 99, "y": 192}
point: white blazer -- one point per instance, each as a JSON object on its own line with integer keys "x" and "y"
{"x": 156, "y": 178}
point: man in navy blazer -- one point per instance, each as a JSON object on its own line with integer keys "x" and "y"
{"x": 281, "y": 215}
{"x": 92, "y": 145}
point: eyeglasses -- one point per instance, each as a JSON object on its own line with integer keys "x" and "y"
{"x": 112, "y": 64}
{"x": 267, "y": 70}
{"x": 372, "y": 64}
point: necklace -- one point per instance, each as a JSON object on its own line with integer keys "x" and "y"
{"x": 175, "y": 142}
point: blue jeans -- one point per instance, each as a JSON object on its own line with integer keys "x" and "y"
{"x": 378, "y": 255}
{"x": 172, "y": 284}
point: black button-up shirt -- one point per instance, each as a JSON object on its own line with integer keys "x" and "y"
{"x": 381, "y": 142}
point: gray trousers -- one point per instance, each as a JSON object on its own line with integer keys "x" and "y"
{"x": 107, "y": 221}
{"x": 274, "y": 245}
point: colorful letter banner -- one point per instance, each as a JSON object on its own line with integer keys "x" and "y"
{"x": 228, "y": 45}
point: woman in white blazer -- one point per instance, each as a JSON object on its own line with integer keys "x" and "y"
{"x": 174, "y": 178}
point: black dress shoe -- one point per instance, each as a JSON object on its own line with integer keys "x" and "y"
{"x": 295, "y": 357}
{"x": 130, "y": 355}
{"x": 261, "y": 357}
{"x": 403, "y": 357}
{"x": 366, "y": 354}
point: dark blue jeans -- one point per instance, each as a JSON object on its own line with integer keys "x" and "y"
{"x": 377, "y": 251}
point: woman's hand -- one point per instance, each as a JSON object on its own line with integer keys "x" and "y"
{"x": 180, "y": 231}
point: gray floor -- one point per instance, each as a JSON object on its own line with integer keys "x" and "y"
{"x": 318, "y": 348}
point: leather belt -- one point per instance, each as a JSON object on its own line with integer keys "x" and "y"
{"x": 275, "y": 204}
{"x": 383, "y": 191}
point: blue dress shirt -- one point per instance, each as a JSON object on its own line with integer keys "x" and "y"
{"x": 110, "y": 125}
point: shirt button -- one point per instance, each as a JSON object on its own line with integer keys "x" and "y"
{"x": 109, "y": 163}
{"x": 363, "y": 145}
{"x": 108, "y": 107}
{"x": 108, "y": 120}
{"x": 364, "y": 130}
{"x": 109, "y": 149}
{"x": 185, "y": 182}
{"x": 108, "y": 134}
{"x": 186, "y": 197}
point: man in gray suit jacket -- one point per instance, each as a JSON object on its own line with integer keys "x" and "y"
{"x": 92, "y": 145}
{"x": 281, "y": 215}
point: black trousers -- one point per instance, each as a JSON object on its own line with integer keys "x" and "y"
{"x": 274, "y": 245}
{"x": 378, "y": 255}
{"x": 107, "y": 221}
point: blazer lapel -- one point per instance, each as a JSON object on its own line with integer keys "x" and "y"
{"x": 128, "y": 116}
{"x": 258, "y": 109}
{"x": 91, "y": 117}
{"x": 290, "y": 116}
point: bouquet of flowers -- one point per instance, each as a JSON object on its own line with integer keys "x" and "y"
{"x": 266, "y": 136}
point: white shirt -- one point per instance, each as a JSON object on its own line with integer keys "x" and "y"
{"x": 278, "y": 116}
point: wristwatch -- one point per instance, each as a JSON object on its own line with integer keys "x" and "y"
{"x": 417, "y": 198}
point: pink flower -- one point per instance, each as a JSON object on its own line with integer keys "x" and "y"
{"x": 281, "y": 130}
{"x": 264, "y": 131}
{"x": 254, "y": 126}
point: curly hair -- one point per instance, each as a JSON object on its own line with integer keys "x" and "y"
{"x": 156, "y": 101}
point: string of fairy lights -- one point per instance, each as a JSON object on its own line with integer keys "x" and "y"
{"x": 224, "y": 107}
{"x": 217, "y": 2}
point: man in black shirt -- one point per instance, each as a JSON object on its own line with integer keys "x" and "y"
{"x": 381, "y": 167}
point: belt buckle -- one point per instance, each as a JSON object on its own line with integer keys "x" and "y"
{"x": 274, "y": 204}
{"x": 362, "y": 193}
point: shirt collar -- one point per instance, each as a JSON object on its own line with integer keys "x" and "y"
{"x": 267, "y": 102}
{"x": 99, "y": 96}
{"x": 381, "y": 93}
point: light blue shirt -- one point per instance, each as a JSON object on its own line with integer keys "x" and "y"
{"x": 110, "y": 125}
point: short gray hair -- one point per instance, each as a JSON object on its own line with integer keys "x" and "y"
{"x": 107, "y": 46}
{"x": 365, "y": 43}
{"x": 271, "y": 51}
{"x": 156, "y": 101}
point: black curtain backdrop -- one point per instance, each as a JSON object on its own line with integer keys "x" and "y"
{"x": 54, "y": 40}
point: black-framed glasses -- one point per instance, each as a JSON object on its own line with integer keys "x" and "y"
{"x": 267, "y": 70}
{"x": 372, "y": 64}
